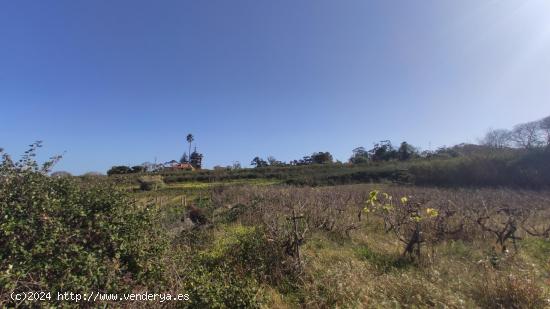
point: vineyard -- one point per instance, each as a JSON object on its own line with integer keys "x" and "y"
{"x": 365, "y": 245}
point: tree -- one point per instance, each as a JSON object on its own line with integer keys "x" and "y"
{"x": 544, "y": 125}
{"x": 274, "y": 162}
{"x": 446, "y": 152}
{"x": 306, "y": 160}
{"x": 138, "y": 169}
{"x": 498, "y": 138}
{"x": 360, "y": 155}
{"x": 526, "y": 135}
{"x": 271, "y": 160}
{"x": 321, "y": 157}
{"x": 383, "y": 151}
{"x": 258, "y": 162}
{"x": 119, "y": 169}
{"x": 427, "y": 154}
{"x": 315, "y": 158}
{"x": 190, "y": 140}
{"x": 406, "y": 152}
{"x": 196, "y": 159}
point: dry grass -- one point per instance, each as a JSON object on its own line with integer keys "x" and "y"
{"x": 362, "y": 266}
{"x": 348, "y": 260}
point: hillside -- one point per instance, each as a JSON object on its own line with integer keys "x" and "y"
{"x": 465, "y": 165}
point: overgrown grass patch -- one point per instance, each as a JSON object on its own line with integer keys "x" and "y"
{"x": 509, "y": 290}
{"x": 539, "y": 249}
{"x": 383, "y": 262}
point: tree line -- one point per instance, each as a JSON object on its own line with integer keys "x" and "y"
{"x": 382, "y": 151}
{"x": 314, "y": 158}
{"x": 529, "y": 135}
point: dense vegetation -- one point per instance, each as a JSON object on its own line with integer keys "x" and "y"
{"x": 514, "y": 158}
{"x": 461, "y": 227}
{"x": 469, "y": 165}
{"x": 59, "y": 234}
{"x": 251, "y": 245}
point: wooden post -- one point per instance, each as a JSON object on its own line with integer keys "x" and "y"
{"x": 297, "y": 237}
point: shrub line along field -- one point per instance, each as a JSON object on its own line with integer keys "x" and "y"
{"x": 528, "y": 169}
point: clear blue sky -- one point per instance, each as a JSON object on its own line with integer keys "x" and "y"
{"x": 123, "y": 82}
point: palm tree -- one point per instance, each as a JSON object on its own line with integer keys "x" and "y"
{"x": 190, "y": 139}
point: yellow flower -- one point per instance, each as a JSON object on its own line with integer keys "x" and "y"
{"x": 431, "y": 212}
{"x": 374, "y": 195}
{"x": 404, "y": 200}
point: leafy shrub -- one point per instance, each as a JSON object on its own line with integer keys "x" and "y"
{"x": 195, "y": 238}
{"x": 248, "y": 251}
{"x": 148, "y": 183}
{"x": 56, "y": 235}
{"x": 220, "y": 287}
{"x": 232, "y": 214}
{"x": 222, "y": 267}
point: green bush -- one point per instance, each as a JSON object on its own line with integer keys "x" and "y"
{"x": 221, "y": 272}
{"x": 58, "y": 235}
{"x": 248, "y": 251}
{"x": 220, "y": 287}
{"x": 194, "y": 238}
{"x": 148, "y": 183}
